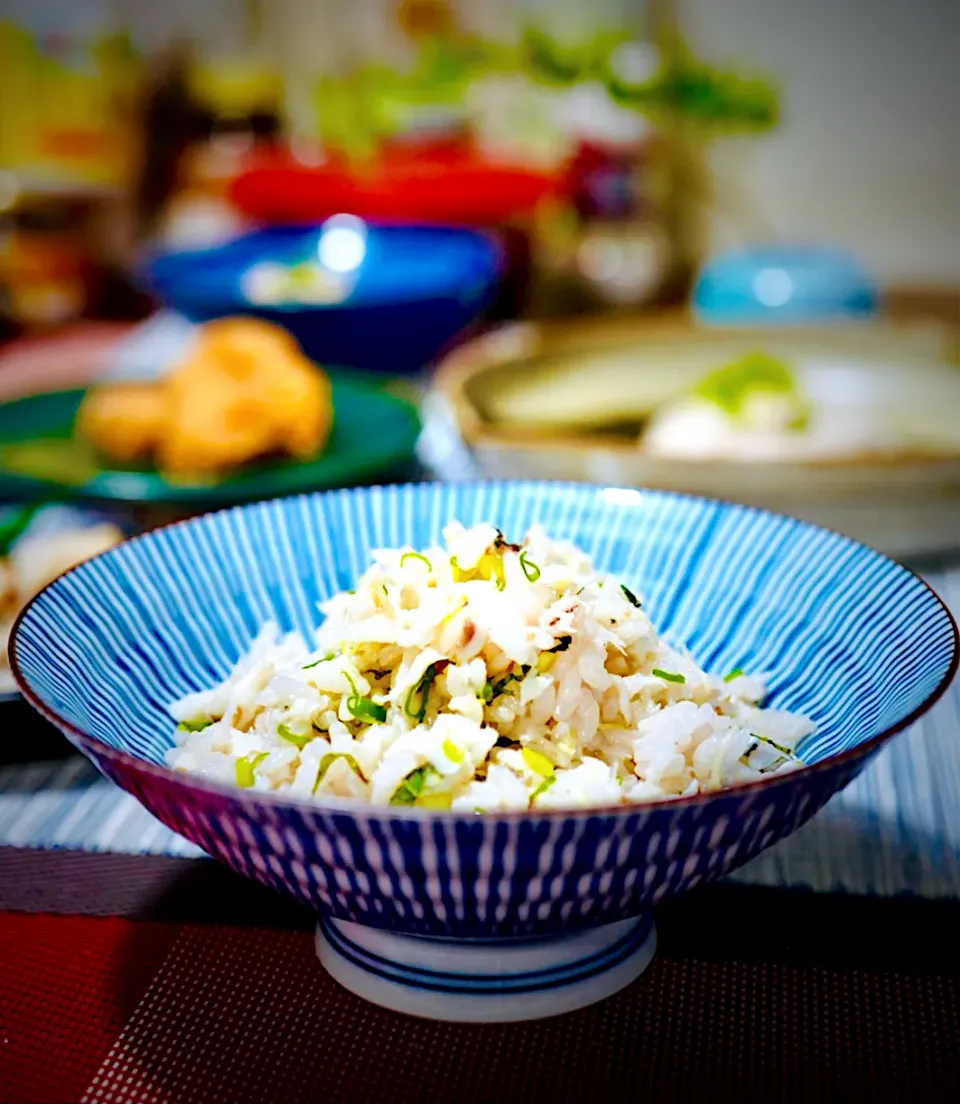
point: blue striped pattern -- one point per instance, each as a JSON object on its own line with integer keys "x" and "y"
{"x": 847, "y": 635}
{"x": 498, "y": 984}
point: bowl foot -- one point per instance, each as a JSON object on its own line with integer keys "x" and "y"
{"x": 488, "y": 980}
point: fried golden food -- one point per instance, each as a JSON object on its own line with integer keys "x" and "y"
{"x": 125, "y": 421}
{"x": 242, "y": 338}
{"x": 245, "y": 390}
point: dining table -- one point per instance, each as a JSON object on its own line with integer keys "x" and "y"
{"x": 136, "y": 970}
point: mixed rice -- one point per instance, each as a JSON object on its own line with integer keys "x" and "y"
{"x": 482, "y": 676}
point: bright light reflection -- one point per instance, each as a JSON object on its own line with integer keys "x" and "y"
{"x": 772, "y": 286}
{"x": 343, "y": 243}
{"x": 621, "y": 496}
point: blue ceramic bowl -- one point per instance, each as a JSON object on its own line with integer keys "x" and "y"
{"x": 783, "y": 285}
{"x": 492, "y": 916}
{"x": 416, "y": 289}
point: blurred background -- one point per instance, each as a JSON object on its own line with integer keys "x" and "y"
{"x": 252, "y": 248}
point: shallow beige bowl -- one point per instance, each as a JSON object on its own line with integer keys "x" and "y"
{"x": 561, "y": 401}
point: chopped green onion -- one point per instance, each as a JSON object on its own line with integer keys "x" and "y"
{"x": 734, "y": 674}
{"x": 495, "y": 564}
{"x": 244, "y": 769}
{"x": 413, "y": 785}
{"x": 537, "y": 762}
{"x": 668, "y": 676}
{"x": 494, "y": 689}
{"x": 543, "y": 787}
{"x": 778, "y": 747}
{"x": 327, "y": 762}
{"x": 530, "y": 569}
{"x": 775, "y": 765}
{"x": 546, "y": 661}
{"x": 731, "y": 386}
{"x": 452, "y": 752}
{"x": 630, "y": 596}
{"x": 422, "y": 688}
{"x": 194, "y": 726}
{"x": 506, "y": 742}
{"x": 486, "y": 692}
{"x": 324, "y": 659}
{"x": 786, "y": 755}
{"x": 364, "y": 708}
{"x": 294, "y": 738}
{"x": 416, "y": 556}
{"x": 434, "y": 801}
{"x": 745, "y": 758}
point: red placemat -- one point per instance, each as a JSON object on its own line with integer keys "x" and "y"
{"x": 755, "y": 996}
{"x": 132, "y": 1012}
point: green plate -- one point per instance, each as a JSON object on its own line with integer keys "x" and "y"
{"x": 374, "y": 434}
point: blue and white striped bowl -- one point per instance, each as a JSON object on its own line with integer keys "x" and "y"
{"x": 417, "y": 906}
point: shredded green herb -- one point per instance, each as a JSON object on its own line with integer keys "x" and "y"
{"x": 364, "y": 708}
{"x": 327, "y": 762}
{"x": 543, "y": 787}
{"x": 734, "y": 674}
{"x": 323, "y": 659}
{"x": 668, "y": 676}
{"x": 414, "y": 785}
{"x": 745, "y": 758}
{"x": 630, "y": 596}
{"x": 775, "y": 765}
{"x": 194, "y": 726}
{"x": 493, "y": 689}
{"x": 777, "y": 747}
{"x": 292, "y": 737}
{"x": 416, "y": 556}
{"x": 786, "y": 755}
{"x": 530, "y": 569}
{"x": 563, "y": 642}
{"x": 421, "y": 691}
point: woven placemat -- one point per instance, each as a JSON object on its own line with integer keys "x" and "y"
{"x": 755, "y": 995}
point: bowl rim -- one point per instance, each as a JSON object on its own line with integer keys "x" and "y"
{"x": 345, "y": 806}
{"x": 523, "y": 342}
